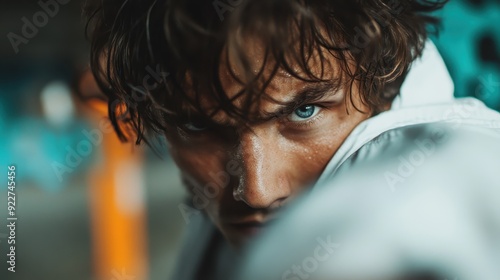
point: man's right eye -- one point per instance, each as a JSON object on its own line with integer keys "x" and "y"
{"x": 195, "y": 126}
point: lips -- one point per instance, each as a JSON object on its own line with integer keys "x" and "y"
{"x": 248, "y": 228}
{"x": 245, "y": 223}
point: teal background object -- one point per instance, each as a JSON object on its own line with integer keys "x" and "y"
{"x": 469, "y": 42}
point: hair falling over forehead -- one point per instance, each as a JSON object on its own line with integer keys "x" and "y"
{"x": 158, "y": 58}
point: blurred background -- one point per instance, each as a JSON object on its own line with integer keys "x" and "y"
{"x": 90, "y": 207}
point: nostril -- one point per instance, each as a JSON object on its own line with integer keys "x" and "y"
{"x": 279, "y": 203}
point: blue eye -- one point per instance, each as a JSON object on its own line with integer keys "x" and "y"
{"x": 304, "y": 113}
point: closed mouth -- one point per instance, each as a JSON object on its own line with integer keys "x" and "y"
{"x": 247, "y": 228}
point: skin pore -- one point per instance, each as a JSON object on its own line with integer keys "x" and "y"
{"x": 251, "y": 171}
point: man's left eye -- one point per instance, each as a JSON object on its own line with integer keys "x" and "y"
{"x": 304, "y": 113}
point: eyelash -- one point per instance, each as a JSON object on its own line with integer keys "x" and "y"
{"x": 308, "y": 123}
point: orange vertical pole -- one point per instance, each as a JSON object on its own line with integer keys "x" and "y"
{"x": 117, "y": 211}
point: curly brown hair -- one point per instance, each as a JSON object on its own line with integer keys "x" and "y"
{"x": 180, "y": 46}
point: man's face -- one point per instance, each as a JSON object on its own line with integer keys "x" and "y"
{"x": 241, "y": 175}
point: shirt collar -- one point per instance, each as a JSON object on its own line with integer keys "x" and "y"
{"x": 427, "y": 82}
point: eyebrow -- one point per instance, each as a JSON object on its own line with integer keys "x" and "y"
{"x": 309, "y": 94}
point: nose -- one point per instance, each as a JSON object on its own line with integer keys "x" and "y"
{"x": 263, "y": 183}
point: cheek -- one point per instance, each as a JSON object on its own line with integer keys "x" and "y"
{"x": 204, "y": 177}
{"x": 312, "y": 159}
{"x": 203, "y": 170}
{"x": 312, "y": 154}
{"x": 305, "y": 158}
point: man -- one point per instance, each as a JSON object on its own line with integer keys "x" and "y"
{"x": 256, "y": 97}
